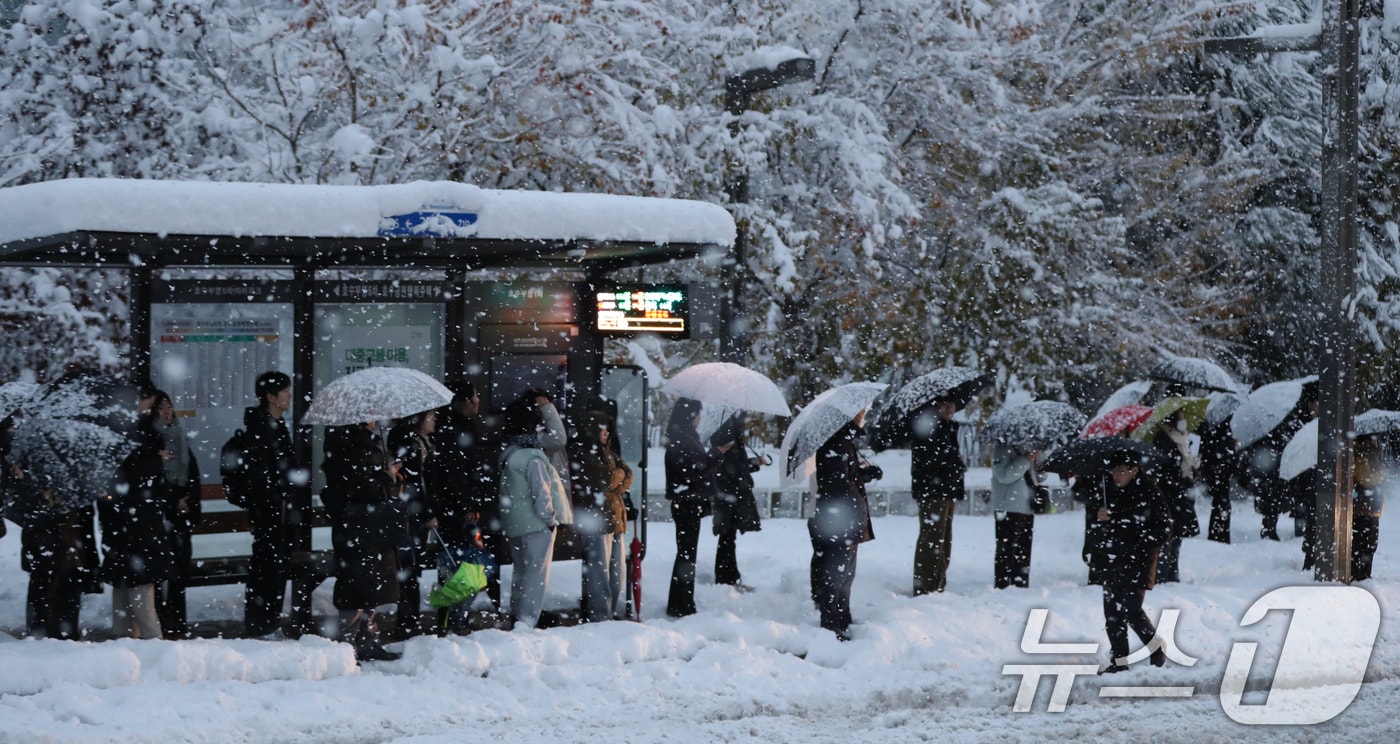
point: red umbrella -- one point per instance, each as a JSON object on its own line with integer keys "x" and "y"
{"x": 1117, "y": 421}
{"x": 637, "y": 551}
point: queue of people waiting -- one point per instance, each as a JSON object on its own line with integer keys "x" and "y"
{"x": 439, "y": 471}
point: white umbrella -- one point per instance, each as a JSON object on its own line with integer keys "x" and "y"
{"x": 1265, "y": 409}
{"x": 1193, "y": 373}
{"x": 376, "y": 394}
{"x": 14, "y": 394}
{"x": 1223, "y": 405}
{"x": 1032, "y": 426}
{"x": 1300, "y": 454}
{"x": 1128, "y": 395}
{"x": 728, "y": 384}
{"x": 820, "y": 419}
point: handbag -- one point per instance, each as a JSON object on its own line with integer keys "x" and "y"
{"x": 1040, "y": 500}
{"x": 746, "y": 518}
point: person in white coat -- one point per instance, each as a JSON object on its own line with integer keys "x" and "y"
{"x": 1016, "y": 499}
{"x": 533, "y": 504}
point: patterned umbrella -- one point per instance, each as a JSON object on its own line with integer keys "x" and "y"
{"x": 376, "y": 394}
{"x": 956, "y": 384}
{"x": 820, "y": 419}
{"x": 1032, "y": 426}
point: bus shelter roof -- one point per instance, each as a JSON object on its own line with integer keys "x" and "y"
{"x": 121, "y": 223}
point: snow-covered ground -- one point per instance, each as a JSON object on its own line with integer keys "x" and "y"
{"x": 748, "y": 667}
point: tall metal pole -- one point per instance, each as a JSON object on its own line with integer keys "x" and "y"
{"x": 1338, "y": 291}
{"x": 738, "y": 93}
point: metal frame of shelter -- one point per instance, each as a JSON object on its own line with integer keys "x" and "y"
{"x": 156, "y": 230}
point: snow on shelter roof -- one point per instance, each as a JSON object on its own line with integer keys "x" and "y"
{"x": 120, "y": 222}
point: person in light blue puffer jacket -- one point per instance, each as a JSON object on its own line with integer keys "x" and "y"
{"x": 533, "y": 503}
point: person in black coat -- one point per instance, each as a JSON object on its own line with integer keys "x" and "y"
{"x": 411, "y": 444}
{"x": 1217, "y": 470}
{"x": 182, "y": 512}
{"x": 464, "y": 498}
{"x": 937, "y": 473}
{"x": 1176, "y": 479}
{"x": 1368, "y": 472}
{"x": 368, "y": 527}
{"x": 1131, "y": 521}
{"x": 59, "y": 553}
{"x": 841, "y": 522}
{"x": 274, "y": 472}
{"x": 735, "y": 510}
{"x": 137, "y": 551}
{"x": 690, "y": 471}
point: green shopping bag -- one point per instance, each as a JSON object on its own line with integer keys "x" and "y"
{"x": 466, "y": 582}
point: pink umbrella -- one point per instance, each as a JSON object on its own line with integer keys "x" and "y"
{"x": 1117, "y": 421}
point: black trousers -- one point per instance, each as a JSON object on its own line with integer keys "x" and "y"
{"x": 1365, "y": 538}
{"x": 267, "y": 581}
{"x": 170, "y": 594}
{"x": 1122, "y": 609}
{"x": 833, "y": 573}
{"x": 687, "y": 516}
{"x": 54, "y": 602}
{"x": 726, "y": 557}
{"x": 1014, "y": 532}
{"x": 1219, "y": 529}
{"x": 1169, "y": 561}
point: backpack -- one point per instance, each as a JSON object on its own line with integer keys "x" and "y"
{"x": 233, "y": 467}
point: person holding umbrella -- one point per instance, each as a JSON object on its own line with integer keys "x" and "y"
{"x": 1017, "y": 434}
{"x": 840, "y": 524}
{"x": 1016, "y": 498}
{"x": 367, "y": 529}
{"x": 735, "y": 509}
{"x": 937, "y": 470}
{"x": 1133, "y": 521}
{"x": 690, "y": 472}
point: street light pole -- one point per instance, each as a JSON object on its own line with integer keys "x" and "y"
{"x": 738, "y": 94}
{"x": 1337, "y": 384}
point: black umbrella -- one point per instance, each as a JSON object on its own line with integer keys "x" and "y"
{"x": 892, "y": 427}
{"x": 1193, "y": 372}
{"x": 74, "y": 434}
{"x": 1098, "y": 455}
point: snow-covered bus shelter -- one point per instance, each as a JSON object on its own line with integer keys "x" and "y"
{"x": 503, "y": 288}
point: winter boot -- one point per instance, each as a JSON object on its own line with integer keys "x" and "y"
{"x": 368, "y": 648}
